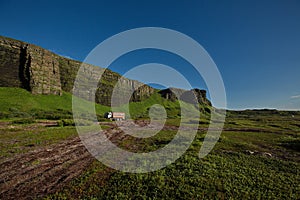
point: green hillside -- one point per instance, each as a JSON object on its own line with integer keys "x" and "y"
{"x": 19, "y": 103}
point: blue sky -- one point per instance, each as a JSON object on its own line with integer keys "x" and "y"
{"x": 255, "y": 44}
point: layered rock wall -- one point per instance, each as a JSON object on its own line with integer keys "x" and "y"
{"x": 28, "y": 66}
{"x": 43, "y": 72}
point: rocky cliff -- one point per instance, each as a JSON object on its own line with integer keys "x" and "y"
{"x": 193, "y": 96}
{"x": 43, "y": 72}
{"x": 28, "y": 66}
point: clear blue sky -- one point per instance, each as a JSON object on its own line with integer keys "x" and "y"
{"x": 255, "y": 44}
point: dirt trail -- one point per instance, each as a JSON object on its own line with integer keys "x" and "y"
{"x": 42, "y": 171}
{"x": 45, "y": 170}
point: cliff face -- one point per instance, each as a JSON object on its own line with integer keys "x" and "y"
{"x": 29, "y": 66}
{"x": 43, "y": 72}
{"x": 106, "y": 85}
{"x": 193, "y": 96}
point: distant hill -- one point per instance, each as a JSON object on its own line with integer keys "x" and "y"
{"x": 40, "y": 71}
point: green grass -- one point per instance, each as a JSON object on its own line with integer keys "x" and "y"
{"x": 17, "y": 139}
{"x": 228, "y": 172}
{"x": 19, "y": 103}
{"x": 173, "y": 108}
{"x": 217, "y": 176}
{"x": 24, "y": 101}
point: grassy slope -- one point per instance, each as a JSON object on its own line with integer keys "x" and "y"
{"x": 19, "y": 99}
{"x": 140, "y": 109}
{"x": 17, "y": 102}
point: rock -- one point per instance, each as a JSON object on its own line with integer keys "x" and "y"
{"x": 201, "y": 96}
{"x": 172, "y": 94}
{"x": 28, "y": 66}
{"x": 267, "y": 154}
{"x": 258, "y": 153}
{"x": 249, "y": 152}
{"x": 42, "y": 72}
{"x": 193, "y": 96}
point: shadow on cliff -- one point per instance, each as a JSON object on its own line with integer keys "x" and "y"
{"x": 24, "y": 73}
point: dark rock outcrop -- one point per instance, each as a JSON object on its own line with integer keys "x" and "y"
{"x": 172, "y": 93}
{"x": 201, "y": 96}
{"x": 193, "y": 96}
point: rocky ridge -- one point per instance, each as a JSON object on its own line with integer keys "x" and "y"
{"x": 43, "y": 72}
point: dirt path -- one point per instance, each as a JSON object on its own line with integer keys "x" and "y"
{"x": 42, "y": 171}
{"x": 45, "y": 170}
